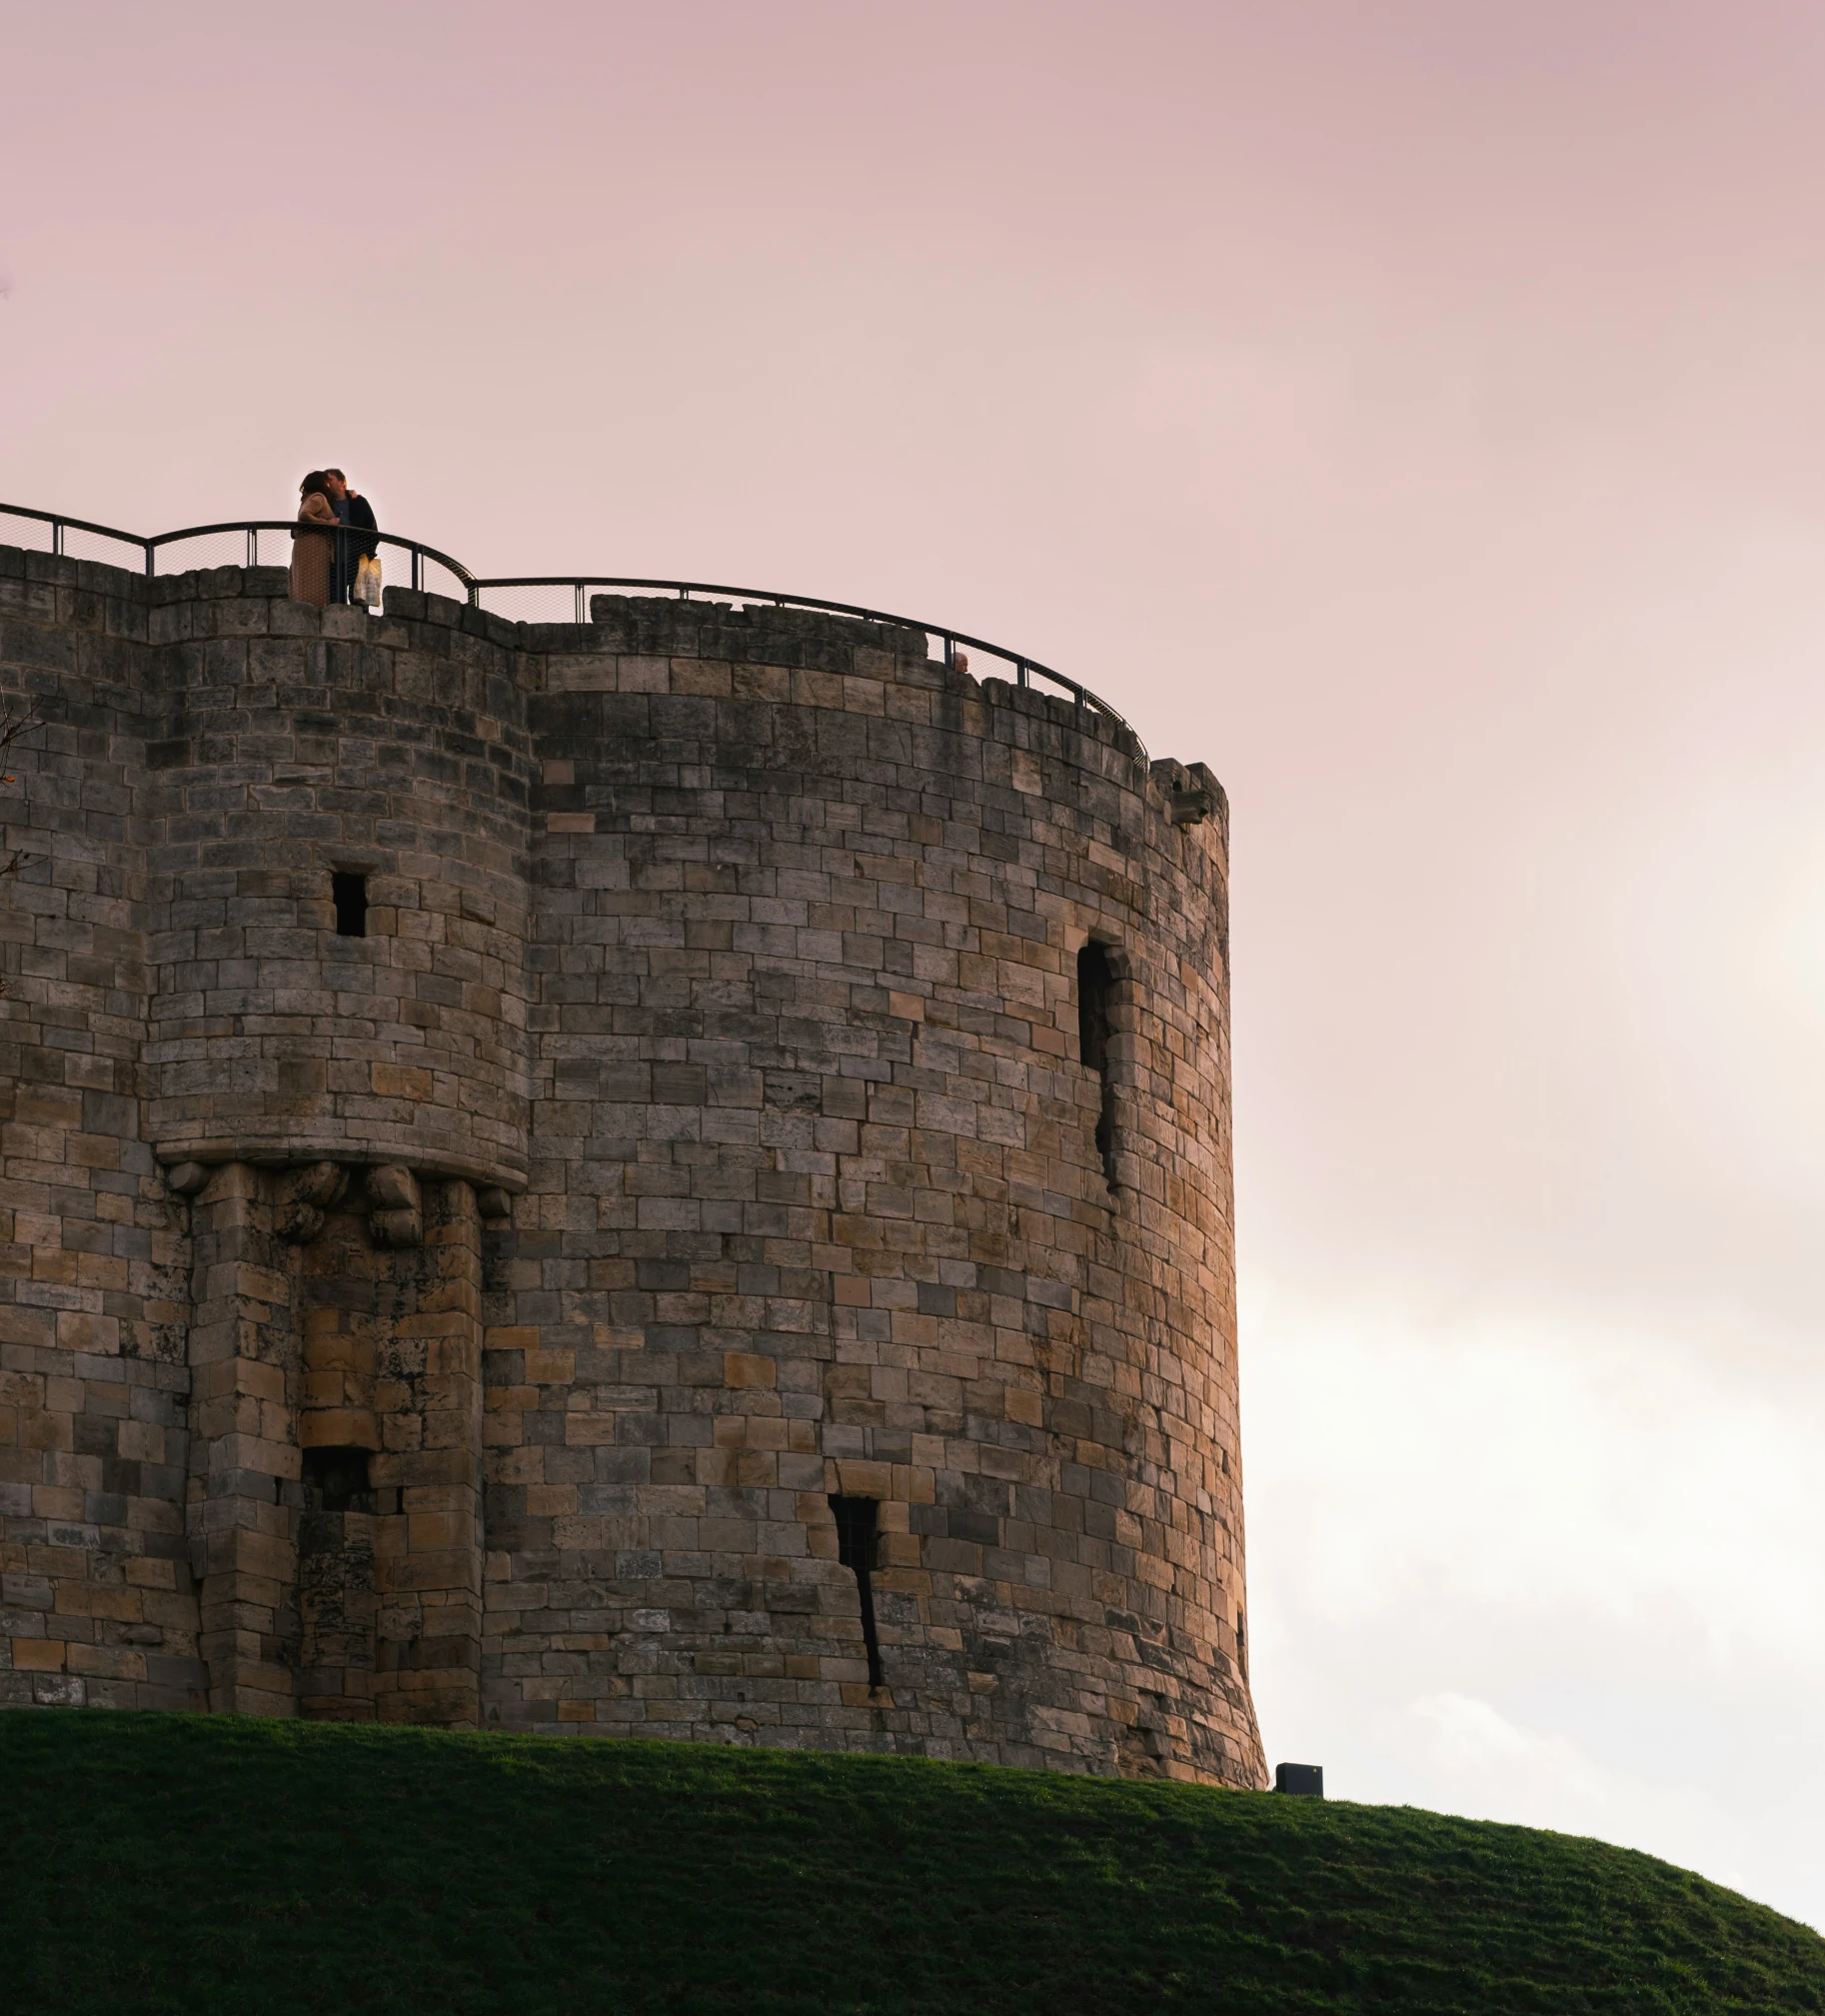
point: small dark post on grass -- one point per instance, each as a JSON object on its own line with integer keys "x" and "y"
{"x": 1305, "y": 1781}
{"x": 855, "y": 1530}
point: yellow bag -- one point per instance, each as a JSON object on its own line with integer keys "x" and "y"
{"x": 367, "y": 581}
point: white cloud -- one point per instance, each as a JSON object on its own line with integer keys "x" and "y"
{"x": 1543, "y": 1571}
{"x": 1539, "y": 1467}
{"x": 1490, "y": 1767}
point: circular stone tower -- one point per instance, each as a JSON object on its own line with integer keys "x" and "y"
{"x": 682, "y": 1172}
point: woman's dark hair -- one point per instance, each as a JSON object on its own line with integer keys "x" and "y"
{"x": 315, "y": 481}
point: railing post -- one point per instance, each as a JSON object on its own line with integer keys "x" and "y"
{"x": 579, "y": 614}
{"x": 151, "y": 558}
{"x": 252, "y": 547}
{"x": 415, "y": 567}
{"x": 56, "y": 536}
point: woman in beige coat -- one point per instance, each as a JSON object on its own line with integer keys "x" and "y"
{"x": 311, "y": 550}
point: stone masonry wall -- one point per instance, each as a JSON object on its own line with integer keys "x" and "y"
{"x": 473, "y": 1321}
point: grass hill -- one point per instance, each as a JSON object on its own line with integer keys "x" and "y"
{"x": 166, "y": 1863}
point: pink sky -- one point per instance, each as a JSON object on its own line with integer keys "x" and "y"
{"x": 1413, "y": 411}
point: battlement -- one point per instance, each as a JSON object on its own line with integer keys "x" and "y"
{"x": 666, "y": 1174}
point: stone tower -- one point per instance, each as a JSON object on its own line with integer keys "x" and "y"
{"x": 664, "y": 1176}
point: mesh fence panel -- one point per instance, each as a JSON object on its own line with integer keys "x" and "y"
{"x": 980, "y": 664}
{"x": 102, "y": 545}
{"x": 205, "y": 548}
{"x": 535, "y": 605}
{"x": 560, "y": 602}
{"x": 434, "y": 577}
{"x": 36, "y": 535}
{"x": 30, "y": 533}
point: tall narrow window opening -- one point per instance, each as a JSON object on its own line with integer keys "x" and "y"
{"x": 349, "y": 893}
{"x": 1096, "y": 985}
{"x": 856, "y": 1535}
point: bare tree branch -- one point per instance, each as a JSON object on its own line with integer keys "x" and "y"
{"x": 12, "y": 726}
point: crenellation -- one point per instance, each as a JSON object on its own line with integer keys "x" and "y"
{"x": 472, "y": 1319}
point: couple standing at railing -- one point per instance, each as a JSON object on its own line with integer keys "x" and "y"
{"x": 334, "y": 565}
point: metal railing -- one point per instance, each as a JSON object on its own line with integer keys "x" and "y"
{"x": 954, "y": 643}
{"x": 237, "y": 542}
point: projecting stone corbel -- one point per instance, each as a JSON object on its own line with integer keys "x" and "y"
{"x": 305, "y": 1194}
{"x": 395, "y": 1215}
{"x": 1189, "y": 791}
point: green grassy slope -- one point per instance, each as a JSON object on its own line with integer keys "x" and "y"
{"x": 165, "y": 1863}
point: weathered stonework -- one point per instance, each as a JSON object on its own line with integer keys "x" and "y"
{"x": 471, "y": 1322}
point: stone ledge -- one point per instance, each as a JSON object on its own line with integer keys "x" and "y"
{"x": 430, "y": 1163}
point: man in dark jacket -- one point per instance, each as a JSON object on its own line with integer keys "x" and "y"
{"x": 351, "y": 509}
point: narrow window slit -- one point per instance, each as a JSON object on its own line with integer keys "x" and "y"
{"x": 349, "y": 893}
{"x": 1096, "y": 985}
{"x": 856, "y": 1535}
